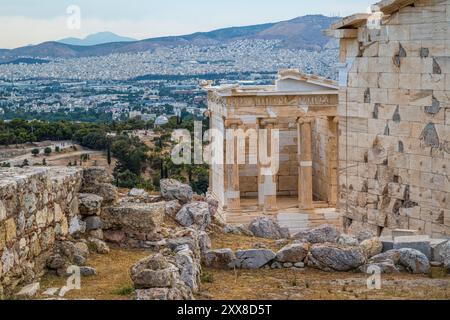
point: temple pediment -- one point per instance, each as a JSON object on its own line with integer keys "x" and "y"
{"x": 294, "y": 80}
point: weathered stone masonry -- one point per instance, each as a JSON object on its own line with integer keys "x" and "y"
{"x": 394, "y": 115}
{"x": 37, "y": 207}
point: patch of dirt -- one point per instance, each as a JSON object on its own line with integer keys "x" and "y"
{"x": 112, "y": 281}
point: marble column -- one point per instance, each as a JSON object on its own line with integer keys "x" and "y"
{"x": 305, "y": 184}
{"x": 267, "y": 179}
{"x": 232, "y": 165}
{"x": 332, "y": 160}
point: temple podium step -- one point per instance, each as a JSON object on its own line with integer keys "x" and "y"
{"x": 292, "y": 218}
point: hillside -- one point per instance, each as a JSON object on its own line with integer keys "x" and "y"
{"x": 300, "y": 33}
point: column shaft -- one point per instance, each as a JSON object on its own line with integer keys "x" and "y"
{"x": 305, "y": 185}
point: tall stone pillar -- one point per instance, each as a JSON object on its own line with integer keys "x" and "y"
{"x": 267, "y": 178}
{"x": 305, "y": 184}
{"x": 332, "y": 159}
{"x": 232, "y": 165}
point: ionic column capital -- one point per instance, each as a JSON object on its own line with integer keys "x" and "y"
{"x": 267, "y": 122}
{"x": 303, "y": 120}
{"x": 232, "y": 123}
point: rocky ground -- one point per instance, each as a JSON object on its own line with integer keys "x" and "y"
{"x": 113, "y": 281}
{"x": 175, "y": 246}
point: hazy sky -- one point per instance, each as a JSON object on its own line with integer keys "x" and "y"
{"x": 26, "y": 22}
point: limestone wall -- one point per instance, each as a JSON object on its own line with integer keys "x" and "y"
{"x": 395, "y": 123}
{"x": 37, "y": 207}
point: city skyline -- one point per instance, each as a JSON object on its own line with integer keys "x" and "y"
{"x": 29, "y": 22}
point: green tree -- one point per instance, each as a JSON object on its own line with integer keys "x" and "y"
{"x": 48, "y": 151}
{"x": 35, "y": 152}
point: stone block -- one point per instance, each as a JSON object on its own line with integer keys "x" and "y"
{"x": 437, "y": 247}
{"x": 419, "y": 243}
{"x": 388, "y": 243}
{"x": 404, "y": 233}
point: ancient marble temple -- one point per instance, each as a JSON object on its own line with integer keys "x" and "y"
{"x": 302, "y": 109}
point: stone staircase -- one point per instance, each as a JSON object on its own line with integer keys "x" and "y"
{"x": 292, "y": 218}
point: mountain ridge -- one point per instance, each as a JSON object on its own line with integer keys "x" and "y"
{"x": 96, "y": 38}
{"x": 299, "y": 33}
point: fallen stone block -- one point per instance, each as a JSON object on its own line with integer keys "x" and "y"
{"x": 438, "y": 247}
{"x": 136, "y": 217}
{"x": 194, "y": 214}
{"x": 334, "y": 257}
{"x": 293, "y": 253}
{"x": 264, "y": 227}
{"x": 219, "y": 259}
{"x": 411, "y": 259}
{"x": 253, "y": 258}
{"x": 322, "y": 234}
{"x": 388, "y": 243}
{"x": 404, "y": 233}
{"x": 419, "y": 243}
{"x": 174, "y": 190}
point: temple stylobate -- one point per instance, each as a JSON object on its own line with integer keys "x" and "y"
{"x": 292, "y": 123}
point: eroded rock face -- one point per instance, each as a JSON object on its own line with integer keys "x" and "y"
{"x": 204, "y": 242}
{"x": 96, "y": 180}
{"x": 348, "y": 240}
{"x": 90, "y": 204}
{"x": 333, "y": 257}
{"x": 445, "y": 256}
{"x": 411, "y": 259}
{"x": 372, "y": 247}
{"x": 153, "y": 272}
{"x": 219, "y": 259}
{"x": 174, "y": 190}
{"x": 322, "y": 234}
{"x": 156, "y": 278}
{"x": 237, "y": 230}
{"x": 189, "y": 268}
{"x": 264, "y": 227}
{"x": 172, "y": 208}
{"x": 194, "y": 214}
{"x": 212, "y": 203}
{"x": 253, "y": 258}
{"x": 98, "y": 245}
{"x": 293, "y": 253}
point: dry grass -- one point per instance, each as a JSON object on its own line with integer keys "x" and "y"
{"x": 310, "y": 284}
{"x": 237, "y": 242}
{"x": 112, "y": 281}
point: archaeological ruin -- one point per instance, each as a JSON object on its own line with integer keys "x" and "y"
{"x": 312, "y": 175}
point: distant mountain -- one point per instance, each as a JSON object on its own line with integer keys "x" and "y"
{"x": 299, "y": 33}
{"x": 97, "y": 38}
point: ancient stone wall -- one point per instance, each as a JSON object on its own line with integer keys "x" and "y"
{"x": 395, "y": 122}
{"x": 37, "y": 207}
